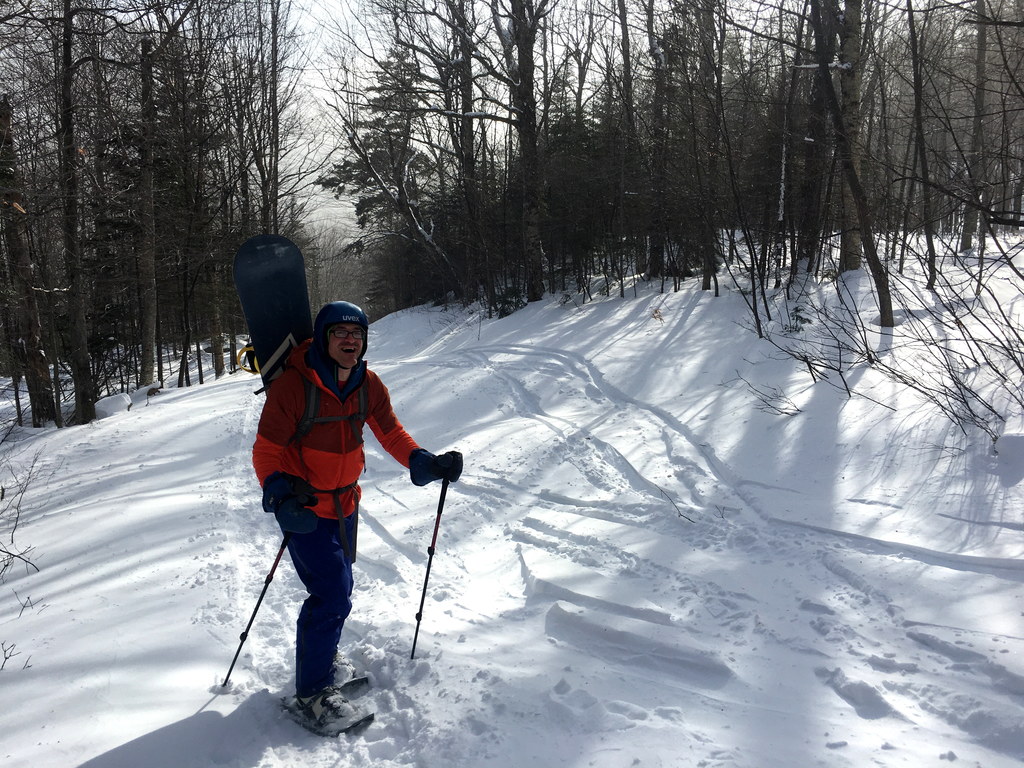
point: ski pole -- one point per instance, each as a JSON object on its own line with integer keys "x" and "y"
{"x": 430, "y": 559}
{"x": 266, "y": 584}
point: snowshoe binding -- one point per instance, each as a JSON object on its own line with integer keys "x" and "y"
{"x": 329, "y": 712}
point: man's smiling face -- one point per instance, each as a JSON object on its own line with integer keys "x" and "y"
{"x": 345, "y": 344}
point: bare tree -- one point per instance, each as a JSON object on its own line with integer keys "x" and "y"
{"x": 27, "y": 331}
{"x": 851, "y": 78}
{"x": 70, "y": 160}
{"x": 921, "y": 146}
{"x": 517, "y": 26}
{"x": 879, "y": 272}
{"x": 147, "y": 203}
{"x": 975, "y": 164}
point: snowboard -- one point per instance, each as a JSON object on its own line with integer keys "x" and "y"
{"x": 270, "y": 278}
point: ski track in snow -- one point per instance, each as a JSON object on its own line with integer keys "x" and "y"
{"x": 582, "y": 559}
{"x": 644, "y": 562}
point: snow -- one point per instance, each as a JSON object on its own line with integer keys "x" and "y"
{"x": 639, "y": 567}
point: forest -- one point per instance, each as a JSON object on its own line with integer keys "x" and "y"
{"x": 495, "y": 151}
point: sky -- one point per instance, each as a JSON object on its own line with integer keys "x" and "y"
{"x": 642, "y": 564}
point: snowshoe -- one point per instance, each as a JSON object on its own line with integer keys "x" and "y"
{"x": 329, "y": 713}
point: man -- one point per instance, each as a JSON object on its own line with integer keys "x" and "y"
{"x": 310, "y": 482}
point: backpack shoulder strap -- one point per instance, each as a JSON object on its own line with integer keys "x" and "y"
{"x": 359, "y": 418}
{"x": 309, "y": 414}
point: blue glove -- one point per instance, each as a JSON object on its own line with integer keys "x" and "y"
{"x": 425, "y": 467}
{"x": 288, "y": 506}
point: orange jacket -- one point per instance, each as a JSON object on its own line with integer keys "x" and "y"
{"x": 329, "y": 457}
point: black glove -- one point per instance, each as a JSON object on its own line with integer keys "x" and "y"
{"x": 448, "y": 466}
{"x": 288, "y": 505}
{"x": 425, "y": 467}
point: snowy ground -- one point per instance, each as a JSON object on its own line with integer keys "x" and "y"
{"x": 639, "y": 567}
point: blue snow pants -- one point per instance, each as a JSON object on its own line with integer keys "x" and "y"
{"x": 326, "y": 571}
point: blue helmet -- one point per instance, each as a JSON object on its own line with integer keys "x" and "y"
{"x": 338, "y": 312}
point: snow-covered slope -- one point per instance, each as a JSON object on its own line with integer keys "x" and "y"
{"x": 639, "y": 567}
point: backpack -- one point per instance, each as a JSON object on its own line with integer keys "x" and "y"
{"x": 356, "y": 420}
{"x": 309, "y": 416}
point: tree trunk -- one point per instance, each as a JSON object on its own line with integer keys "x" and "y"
{"x": 525, "y": 19}
{"x": 628, "y": 105}
{"x": 708, "y": 120}
{"x": 78, "y": 288}
{"x": 975, "y": 162}
{"x": 28, "y": 344}
{"x": 477, "y": 271}
{"x": 921, "y": 147}
{"x": 813, "y": 214}
{"x": 851, "y": 73}
{"x": 659, "y": 156}
{"x": 147, "y": 222}
{"x": 217, "y": 337}
{"x": 274, "y": 117}
{"x": 859, "y": 198}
